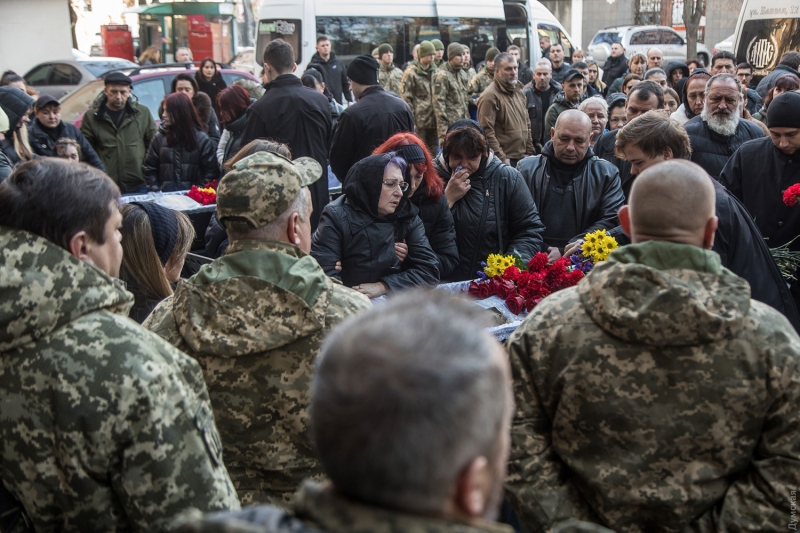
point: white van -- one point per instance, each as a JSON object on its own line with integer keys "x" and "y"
{"x": 765, "y": 31}
{"x": 358, "y": 26}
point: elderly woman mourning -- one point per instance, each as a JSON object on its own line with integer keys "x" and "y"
{"x": 358, "y": 232}
{"x": 597, "y": 110}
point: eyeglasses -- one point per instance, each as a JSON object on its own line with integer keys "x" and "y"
{"x": 391, "y": 185}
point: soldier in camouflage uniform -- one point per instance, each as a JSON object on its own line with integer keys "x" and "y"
{"x": 467, "y": 67}
{"x": 656, "y": 395}
{"x": 438, "y": 47}
{"x": 450, "y": 100}
{"x": 255, "y": 318}
{"x": 485, "y": 77}
{"x": 418, "y": 93}
{"x": 389, "y": 76}
{"x": 103, "y": 426}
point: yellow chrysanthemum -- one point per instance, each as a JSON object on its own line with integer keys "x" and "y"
{"x": 497, "y": 264}
{"x": 598, "y": 245}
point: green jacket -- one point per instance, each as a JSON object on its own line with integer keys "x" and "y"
{"x": 103, "y": 425}
{"x": 122, "y": 148}
{"x": 418, "y": 93}
{"x": 450, "y": 100}
{"x": 255, "y": 319}
{"x": 480, "y": 82}
{"x": 656, "y": 396}
{"x": 559, "y": 105}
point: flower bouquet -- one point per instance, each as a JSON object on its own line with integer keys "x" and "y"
{"x": 205, "y": 195}
{"x": 787, "y": 260}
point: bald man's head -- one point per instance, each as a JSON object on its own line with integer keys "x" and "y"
{"x": 672, "y": 201}
{"x": 571, "y": 136}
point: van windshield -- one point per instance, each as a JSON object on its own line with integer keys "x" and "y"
{"x": 290, "y": 30}
{"x": 478, "y": 34}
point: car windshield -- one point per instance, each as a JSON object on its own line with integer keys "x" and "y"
{"x": 101, "y": 67}
{"x": 608, "y": 37}
{"x": 79, "y": 101}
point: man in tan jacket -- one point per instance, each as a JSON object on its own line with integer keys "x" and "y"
{"x": 503, "y": 113}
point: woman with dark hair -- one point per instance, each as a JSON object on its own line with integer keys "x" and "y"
{"x": 359, "y": 231}
{"x": 492, "y": 208}
{"x": 155, "y": 243}
{"x": 314, "y": 78}
{"x": 426, "y": 192}
{"x": 785, "y": 83}
{"x": 185, "y": 83}
{"x": 629, "y": 81}
{"x": 233, "y": 103}
{"x": 209, "y": 81}
{"x": 181, "y": 154}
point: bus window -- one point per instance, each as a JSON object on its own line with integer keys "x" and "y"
{"x": 352, "y": 36}
{"x": 763, "y": 42}
{"x": 289, "y": 30}
{"x": 556, "y": 36}
{"x": 478, "y": 34}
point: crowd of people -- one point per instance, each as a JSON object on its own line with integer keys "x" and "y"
{"x": 275, "y": 390}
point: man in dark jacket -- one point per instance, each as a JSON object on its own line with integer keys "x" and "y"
{"x": 616, "y": 65}
{"x": 576, "y": 191}
{"x": 120, "y": 130}
{"x": 335, "y": 73}
{"x": 789, "y": 64}
{"x": 574, "y": 94}
{"x": 292, "y": 114}
{"x": 719, "y": 130}
{"x": 651, "y": 139}
{"x": 538, "y": 99}
{"x": 47, "y": 128}
{"x": 560, "y": 67}
{"x": 375, "y": 117}
{"x": 761, "y": 170}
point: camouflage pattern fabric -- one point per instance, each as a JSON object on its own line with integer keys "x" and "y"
{"x": 450, "y": 100}
{"x": 418, "y": 93}
{"x": 470, "y": 73}
{"x": 254, "y": 320}
{"x": 103, "y": 426}
{"x": 480, "y": 82}
{"x": 391, "y": 78}
{"x": 656, "y": 397}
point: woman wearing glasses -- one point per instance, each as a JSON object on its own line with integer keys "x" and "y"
{"x": 359, "y": 230}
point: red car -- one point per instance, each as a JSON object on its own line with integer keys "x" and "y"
{"x": 150, "y": 86}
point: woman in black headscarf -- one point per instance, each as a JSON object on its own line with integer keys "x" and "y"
{"x": 359, "y": 231}
{"x": 209, "y": 81}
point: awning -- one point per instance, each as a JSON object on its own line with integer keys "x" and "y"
{"x": 183, "y": 8}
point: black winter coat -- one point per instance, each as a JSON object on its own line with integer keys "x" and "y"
{"x": 43, "y": 144}
{"x": 496, "y": 215}
{"x": 335, "y": 77}
{"x": 365, "y": 125}
{"x": 235, "y": 130}
{"x": 216, "y": 238}
{"x": 711, "y": 150}
{"x": 768, "y": 81}
{"x": 613, "y": 68}
{"x": 365, "y": 247}
{"x": 439, "y": 228}
{"x": 537, "y": 111}
{"x": 598, "y": 193}
{"x": 300, "y": 117}
{"x": 172, "y": 168}
{"x": 604, "y": 149}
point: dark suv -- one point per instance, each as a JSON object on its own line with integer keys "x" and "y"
{"x": 150, "y": 86}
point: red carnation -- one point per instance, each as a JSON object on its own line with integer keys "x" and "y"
{"x": 538, "y": 262}
{"x": 515, "y": 304}
{"x": 791, "y": 195}
{"x": 512, "y": 273}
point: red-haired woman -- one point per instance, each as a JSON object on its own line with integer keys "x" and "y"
{"x": 181, "y": 154}
{"x": 426, "y": 193}
{"x": 233, "y": 103}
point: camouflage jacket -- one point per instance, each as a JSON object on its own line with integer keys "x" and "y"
{"x": 656, "y": 396}
{"x": 103, "y": 425}
{"x": 450, "y": 100}
{"x": 391, "y": 78}
{"x": 470, "y": 73}
{"x": 254, "y": 319}
{"x": 318, "y": 508}
{"x": 480, "y": 82}
{"x": 418, "y": 93}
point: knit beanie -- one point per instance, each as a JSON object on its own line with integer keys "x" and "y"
{"x": 784, "y": 111}
{"x": 491, "y": 53}
{"x": 453, "y": 50}
{"x": 164, "y": 228}
{"x": 364, "y": 70}
{"x": 385, "y": 48}
{"x": 425, "y": 49}
{"x": 375, "y": 52}
{"x": 437, "y": 44}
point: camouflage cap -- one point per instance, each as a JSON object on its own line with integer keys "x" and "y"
{"x": 260, "y": 187}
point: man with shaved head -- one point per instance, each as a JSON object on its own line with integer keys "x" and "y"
{"x": 575, "y": 191}
{"x": 656, "y": 395}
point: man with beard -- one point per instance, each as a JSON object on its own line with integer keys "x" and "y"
{"x": 412, "y": 429}
{"x": 719, "y": 130}
{"x": 503, "y": 115}
{"x": 575, "y": 191}
{"x": 693, "y": 96}
{"x": 762, "y": 169}
{"x": 525, "y": 72}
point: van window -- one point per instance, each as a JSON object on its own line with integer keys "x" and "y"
{"x": 516, "y": 30}
{"x": 290, "y": 30}
{"x": 150, "y": 93}
{"x": 556, "y": 36}
{"x": 478, "y": 34}
{"x": 763, "y": 42}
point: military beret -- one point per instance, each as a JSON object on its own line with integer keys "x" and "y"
{"x": 453, "y": 50}
{"x": 384, "y": 49}
{"x": 491, "y": 53}
{"x": 437, "y": 44}
{"x": 260, "y": 187}
{"x": 425, "y": 49}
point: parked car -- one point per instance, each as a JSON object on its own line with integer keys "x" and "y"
{"x": 243, "y": 60}
{"x": 642, "y": 38}
{"x": 150, "y": 86}
{"x": 58, "y": 78}
{"x": 726, "y": 45}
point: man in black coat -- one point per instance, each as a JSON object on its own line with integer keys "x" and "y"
{"x": 761, "y": 170}
{"x": 47, "y": 128}
{"x": 576, "y": 192}
{"x": 538, "y": 98}
{"x": 719, "y": 130}
{"x": 652, "y": 138}
{"x": 293, "y": 114}
{"x": 789, "y": 64}
{"x": 616, "y": 65}
{"x": 375, "y": 117}
{"x": 335, "y": 73}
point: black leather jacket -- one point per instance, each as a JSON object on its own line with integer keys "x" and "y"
{"x": 172, "y": 168}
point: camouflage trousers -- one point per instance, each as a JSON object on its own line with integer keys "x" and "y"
{"x": 431, "y": 138}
